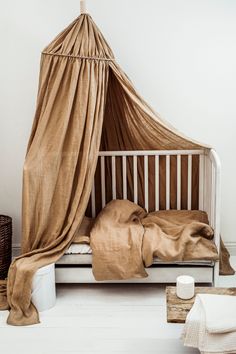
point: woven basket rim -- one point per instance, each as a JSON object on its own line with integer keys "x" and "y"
{"x": 6, "y": 220}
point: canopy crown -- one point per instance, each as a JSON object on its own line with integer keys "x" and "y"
{"x": 82, "y": 38}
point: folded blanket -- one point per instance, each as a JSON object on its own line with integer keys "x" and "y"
{"x": 124, "y": 239}
{"x": 211, "y": 324}
{"x": 220, "y": 313}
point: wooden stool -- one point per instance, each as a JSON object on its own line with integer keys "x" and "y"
{"x": 177, "y": 309}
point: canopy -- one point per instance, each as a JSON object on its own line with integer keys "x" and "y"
{"x": 85, "y": 102}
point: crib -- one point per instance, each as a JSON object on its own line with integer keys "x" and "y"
{"x": 77, "y": 268}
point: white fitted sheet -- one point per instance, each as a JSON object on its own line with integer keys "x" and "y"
{"x": 82, "y": 254}
{"x": 77, "y": 248}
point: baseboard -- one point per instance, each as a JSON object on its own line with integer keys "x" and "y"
{"x": 231, "y": 247}
{"x": 15, "y": 250}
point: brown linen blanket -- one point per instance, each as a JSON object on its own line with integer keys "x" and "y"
{"x": 124, "y": 239}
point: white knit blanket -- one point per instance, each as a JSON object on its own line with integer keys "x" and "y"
{"x": 211, "y": 324}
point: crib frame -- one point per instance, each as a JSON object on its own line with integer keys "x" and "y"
{"x": 209, "y": 200}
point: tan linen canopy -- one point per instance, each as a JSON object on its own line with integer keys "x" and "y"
{"x": 84, "y": 101}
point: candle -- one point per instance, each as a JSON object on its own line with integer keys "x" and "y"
{"x": 185, "y": 287}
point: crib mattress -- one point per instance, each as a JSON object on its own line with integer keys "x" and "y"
{"x": 76, "y": 248}
{"x": 82, "y": 254}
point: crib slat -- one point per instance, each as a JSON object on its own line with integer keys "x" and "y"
{"x": 124, "y": 176}
{"x": 93, "y": 201}
{"x": 201, "y": 182}
{"x": 146, "y": 203}
{"x": 113, "y": 175}
{"x": 103, "y": 188}
{"x": 135, "y": 179}
{"x": 167, "y": 182}
{"x": 178, "y": 182}
{"x": 156, "y": 182}
{"x": 189, "y": 182}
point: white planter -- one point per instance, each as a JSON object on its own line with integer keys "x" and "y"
{"x": 43, "y": 288}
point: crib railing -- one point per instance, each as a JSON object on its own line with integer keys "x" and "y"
{"x": 146, "y": 154}
{"x": 208, "y": 181}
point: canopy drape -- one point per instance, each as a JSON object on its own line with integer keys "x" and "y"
{"x": 85, "y": 102}
{"x": 130, "y": 124}
{"x": 61, "y": 156}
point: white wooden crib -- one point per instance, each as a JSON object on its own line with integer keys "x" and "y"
{"x": 77, "y": 268}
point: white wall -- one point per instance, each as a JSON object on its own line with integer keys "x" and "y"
{"x": 180, "y": 54}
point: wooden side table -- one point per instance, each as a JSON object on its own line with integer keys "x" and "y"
{"x": 177, "y": 309}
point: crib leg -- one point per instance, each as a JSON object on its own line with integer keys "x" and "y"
{"x": 216, "y": 274}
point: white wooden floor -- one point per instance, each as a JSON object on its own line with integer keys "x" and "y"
{"x": 101, "y": 319}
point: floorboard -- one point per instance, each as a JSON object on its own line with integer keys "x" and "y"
{"x": 108, "y": 318}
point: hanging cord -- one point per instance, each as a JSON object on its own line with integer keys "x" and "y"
{"x": 82, "y": 6}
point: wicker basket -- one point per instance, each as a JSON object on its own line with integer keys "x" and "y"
{"x": 5, "y": 245}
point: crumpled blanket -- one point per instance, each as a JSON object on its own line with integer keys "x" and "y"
{"x": 211, "y": 324}
{"x": 125, "y": 238}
